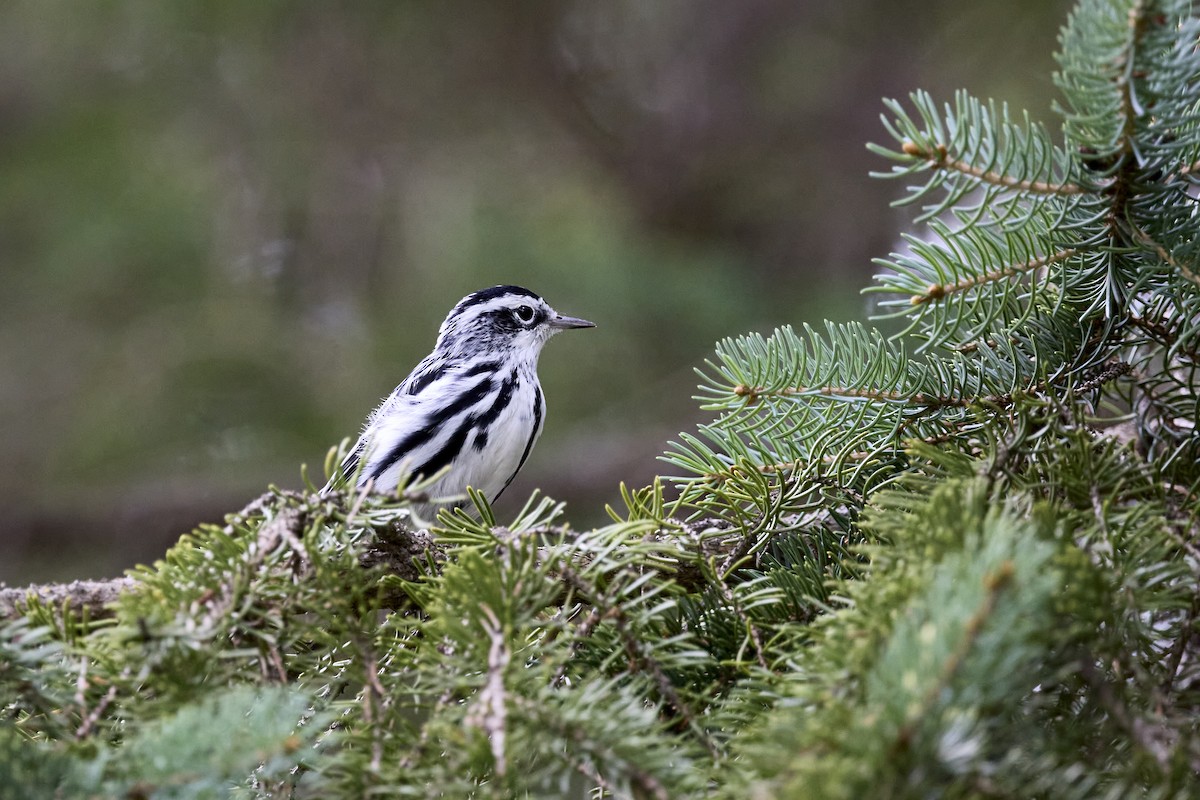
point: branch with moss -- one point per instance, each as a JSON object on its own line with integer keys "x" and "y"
{"x": 398, "y": 549}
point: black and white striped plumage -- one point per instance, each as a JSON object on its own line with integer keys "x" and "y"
{"x": 474, "y": 404}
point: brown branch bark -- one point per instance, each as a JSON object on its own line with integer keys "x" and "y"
{"x": 82, "y": 597}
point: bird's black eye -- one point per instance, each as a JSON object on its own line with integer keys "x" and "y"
{"x": 524, "y": 313}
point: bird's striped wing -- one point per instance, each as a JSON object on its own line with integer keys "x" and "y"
{"x": 437, "y": 414}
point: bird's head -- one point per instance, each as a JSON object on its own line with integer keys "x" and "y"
{"x": 502, "y": 319}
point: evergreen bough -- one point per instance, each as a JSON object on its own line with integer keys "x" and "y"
{"x": 958, "y": 562}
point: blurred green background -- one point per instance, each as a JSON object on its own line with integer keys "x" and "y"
{"x": 227, "y": 229}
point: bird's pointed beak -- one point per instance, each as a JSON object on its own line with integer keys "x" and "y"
{"x": 561, "y": 323}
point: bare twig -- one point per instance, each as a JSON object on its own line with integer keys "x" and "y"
{"x": 490, "y": 713}
{"x": 1153, "y": 740}
{"x": 90, "y": 718}
{"x": 374, "y": 698}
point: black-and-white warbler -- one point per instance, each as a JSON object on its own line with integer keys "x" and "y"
{"x": 474, "y": 404}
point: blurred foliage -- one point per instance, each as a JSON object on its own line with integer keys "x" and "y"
{"x": 228, "y": 229}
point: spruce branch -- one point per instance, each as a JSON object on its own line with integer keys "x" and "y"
{"x": 395, "y": 547}
{"x": 938, "y": 156}
{"x": 752, "y": 629}
{"x": 1103, "y": 375}
{"x": 1165, "y": 256}
{"x": 987, "y": 166}
{"x": 644, "y": 780}
{"x": 752, "y": 394}
{"x": 938, "y": 291}
{"x": 640, "y": 658}
{"x": 995, "y": 583}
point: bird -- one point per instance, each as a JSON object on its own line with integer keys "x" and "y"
{"x": 474, "y": 405}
